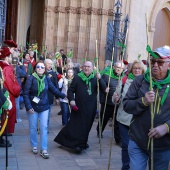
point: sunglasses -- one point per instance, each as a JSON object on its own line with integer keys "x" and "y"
{"x": 159, "y": 62}
{"x": 42, "y": 67}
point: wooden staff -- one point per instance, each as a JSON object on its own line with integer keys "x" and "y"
{"x": 86, "y": 55}
{"x": 111, "y": 69}
{"x": 111, "y": 139}
{"x": 152, "y": 113}
{"x": 98, "y": 98}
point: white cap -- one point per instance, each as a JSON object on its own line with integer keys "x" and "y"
{"x": 164, "y": 52}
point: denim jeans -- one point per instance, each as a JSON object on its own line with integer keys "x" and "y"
{"x": 33, "y": 123}
{"x": 125, "y": 141}
{"x": 17, "y": 103}
{"x": 65, "y": 112}
{"x": 140, "y": 157}
{"x": 49, "y": 114}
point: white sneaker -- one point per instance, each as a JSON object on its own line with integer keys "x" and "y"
{"x": 19, "y": 120}
{"x": 44, "y": 154}
{"x": 35, "y": 150}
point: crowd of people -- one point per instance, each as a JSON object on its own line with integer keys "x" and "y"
{"x": 133, "y": 94}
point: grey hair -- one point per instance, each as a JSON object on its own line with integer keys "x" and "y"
{"x": 117, "y": 62}
{"x": 47, "y": 61}
{"x": 108, "y": 62}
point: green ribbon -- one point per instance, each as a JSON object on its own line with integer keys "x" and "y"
{"x": 139, "y": 56}
{"x": 131, "y": 76}
{"x": 112, "y": 74}
{"x": 122, "y": 45}
{"x": 148, "y": 49}
{"x": 159, "y": 84}
{"x": 41, "y": 83}
{"x": 87, "y": 80}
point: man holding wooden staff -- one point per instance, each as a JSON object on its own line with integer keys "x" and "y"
{"x": 137, "y": 102}
{"x": 82, "y": 95}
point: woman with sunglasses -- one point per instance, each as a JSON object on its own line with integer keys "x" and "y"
{"x": 37, "y": 106}
{"x": 124, "y": 118}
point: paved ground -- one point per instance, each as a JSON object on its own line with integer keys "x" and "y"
{"x": 21, "y": 157}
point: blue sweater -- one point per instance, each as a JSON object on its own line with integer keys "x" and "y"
{"x": 31, "y": 91}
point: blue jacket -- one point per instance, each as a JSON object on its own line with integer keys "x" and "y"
{"x": 31, "y": 91}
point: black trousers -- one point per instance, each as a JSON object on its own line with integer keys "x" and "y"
{"x": 109, "y": 114}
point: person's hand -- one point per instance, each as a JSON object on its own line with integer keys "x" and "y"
{"x": 107, "y": 90}
{"x": 149, "y": 97}
{"x": 57, "y": 102}
{"x": 158, "y": 131}
{"x": 116, "y": 98}
{"x": 63, "y": 76}
{"x": 98, "y": 75}
{"x": 31, "y": 111}
{"x": 20, "y": 64}
{"x": 72, "y": 103}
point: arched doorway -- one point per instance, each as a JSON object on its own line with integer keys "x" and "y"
{"x": 162, "y": 27}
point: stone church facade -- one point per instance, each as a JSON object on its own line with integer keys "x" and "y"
{"x": 77, "y": 24}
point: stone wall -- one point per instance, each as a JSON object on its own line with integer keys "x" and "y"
{"x": 75, "y": 24}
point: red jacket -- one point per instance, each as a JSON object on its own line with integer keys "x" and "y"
{"x": 13, "y": 87}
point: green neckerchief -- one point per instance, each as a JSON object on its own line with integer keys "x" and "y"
{"x": 41, "y": 83}
{"x": 6, "y": 104}
{"x": 104, "y": 70}
{"x": 112, "y": 75}
{"x": 87, "y": 80}
{"x": 131, "y": 76}
{"x": 159, "y": 84}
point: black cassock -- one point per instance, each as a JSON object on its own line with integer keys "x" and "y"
{"x": 76, "y": 132}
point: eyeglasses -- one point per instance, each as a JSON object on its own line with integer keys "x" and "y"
{"x": 159, "y": 62}
{"x": 42, "y": 67}
{"x": 135, "y": 68}
{"x": 119, "y": 67}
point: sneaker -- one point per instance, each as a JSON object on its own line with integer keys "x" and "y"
{"x": 19, "y": 120}
{"x": 44, "y": 154}
{"x": 35, "y": 150}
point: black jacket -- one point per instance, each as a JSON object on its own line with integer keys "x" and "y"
{"x": 141, "y": 121}
{"x": 112, "y": 87}
{"x": 53, "y": 77}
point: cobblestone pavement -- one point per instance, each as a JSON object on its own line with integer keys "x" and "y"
{"x": 21, "y": 157}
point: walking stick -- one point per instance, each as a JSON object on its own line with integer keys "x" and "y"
{"x": 111, "y": 69}
{"x": 111, "y": 139}
{"x": 152, "y": 113}
{"x": 98, "y": 98}
{"x": 6, "y": 138}
{"x": 115, "y": 105}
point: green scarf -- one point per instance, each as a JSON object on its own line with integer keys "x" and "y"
{"x": 41, "y": 83}
{"x": 131, "y": 76}
{"x": 87, "y": 80}
{"x": 159, "y": 84}
{"x": 112, "y": 75}
{"x": 105, "y": 70}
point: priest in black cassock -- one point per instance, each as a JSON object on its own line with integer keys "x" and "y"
{"x": 82, "y": 95}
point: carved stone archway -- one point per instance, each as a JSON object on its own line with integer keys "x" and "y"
{"x": 159, "y": 5}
